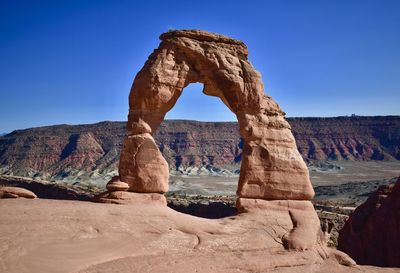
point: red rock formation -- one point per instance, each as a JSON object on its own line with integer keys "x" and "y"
{"x": 116, "y": 185}
{"x": 125, "y": 198}
{"x": 372, "y": 233}
{"x": 271, "y": 168}
{"x": 305, "y": 231}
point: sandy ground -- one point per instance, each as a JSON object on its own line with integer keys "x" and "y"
{"x": 74, "y": 236}
{"x": 341, "y": 172}
{"x": 355, "y": 171}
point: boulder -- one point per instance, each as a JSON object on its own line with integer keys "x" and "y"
{"x": 116, "y": 185}
{"x": 15, "y": 192}
{"x": 371, "y": 235}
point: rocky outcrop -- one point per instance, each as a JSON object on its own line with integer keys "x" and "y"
{"x": 16, "y": 192}
{"x": 372, "y": 233}
{"x": 271, "y": 167}
{"x": 46, "y": 189}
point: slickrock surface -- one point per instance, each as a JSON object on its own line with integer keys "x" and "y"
{"x": 124, "y": 197}
{"x": 15, "y": 192}
{"x": 71, "y": 236}
{"x": 372, "y": 233}
{"x": 271, "y": 168}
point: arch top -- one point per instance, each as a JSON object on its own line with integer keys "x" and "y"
{"x": 201, "y": 35}
{"x": 271, "y": 167}
{"x": 187, "y": 56}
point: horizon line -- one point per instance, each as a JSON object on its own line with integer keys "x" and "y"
{"x": 193, "y": 120}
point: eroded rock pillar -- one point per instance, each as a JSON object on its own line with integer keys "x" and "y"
{"x": 142, "y": 165}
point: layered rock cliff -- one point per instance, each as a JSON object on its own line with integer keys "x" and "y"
{"x": 352, "y": 138}
{"x": 65, "y": 150}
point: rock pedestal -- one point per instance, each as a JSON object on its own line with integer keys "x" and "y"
{"x": 117, "y": 193}
{"x": 126, "y": 198}
{"x": 116, "y": 185}
{"x": 142, "y": 165}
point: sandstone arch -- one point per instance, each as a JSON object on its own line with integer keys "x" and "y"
{"x": 271, "y": 167}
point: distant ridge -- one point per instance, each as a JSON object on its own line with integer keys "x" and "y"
{"x": 65, "y": 150}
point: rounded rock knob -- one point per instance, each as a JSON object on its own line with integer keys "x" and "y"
{"x": 116, "y": 185}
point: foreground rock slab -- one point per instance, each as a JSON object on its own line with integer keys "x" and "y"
{"x": 71, "y": 236}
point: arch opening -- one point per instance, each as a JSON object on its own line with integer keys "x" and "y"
{"x": 202, "y": 146}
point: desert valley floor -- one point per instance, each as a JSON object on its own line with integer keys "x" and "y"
{"x": 330, "y": 175}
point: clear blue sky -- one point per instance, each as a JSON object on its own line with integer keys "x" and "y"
{"x": 74, "y": 61}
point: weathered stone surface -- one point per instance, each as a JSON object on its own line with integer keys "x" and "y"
{"x": 272, "y": 168}
{"x": 372, "y": 233}
{"x": 142, "y": 166}
{"x": 15, "y": 192}
{"x": 91, "y": 238}
{"x": 306, "y": 231}
{"x": 126, "y": 198}
{"x": 116, "y": 185}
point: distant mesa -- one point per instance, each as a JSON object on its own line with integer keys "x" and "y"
{"x": 47, "y": 152}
